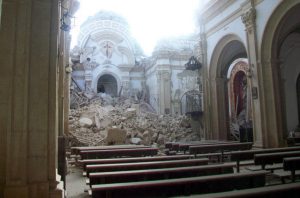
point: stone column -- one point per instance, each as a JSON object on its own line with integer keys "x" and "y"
{"x": 160, "y": 94}
{"x": 61, "y": 71}
{"x": 202, "y": 56}
{"x": 249, "y": 20}
{"x": 67, "y": 82}
{"x": 125, "y": 88}
{"x": 88, "y": 76}
{"x": 167, "y": 91}
{"x": 28, "y": 102}
{"x": 164, "y": 91}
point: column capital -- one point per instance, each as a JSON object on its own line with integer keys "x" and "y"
{"x": 249, "y": 19}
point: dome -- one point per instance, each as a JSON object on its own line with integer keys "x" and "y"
{"x": 106, "y": 15}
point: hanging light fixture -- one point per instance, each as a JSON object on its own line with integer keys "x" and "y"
{"x": 193, "y": 64}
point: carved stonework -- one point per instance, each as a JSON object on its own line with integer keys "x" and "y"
{"x": 107, "y": 49}
{"x": 188, "y": 80}
{"x": 90, "y": 65}
{"x": 249, "y": 19}
{"x": 125, "y": 88}
{"x": 163, "y": 75}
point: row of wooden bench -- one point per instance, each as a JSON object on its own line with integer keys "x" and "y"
{"x": 180, "y": 186}
{"x": 184, "y": 146}
{"x": 291, "y": 190}
{"x": 177, "y": 175}
{"x": 106, "y": 152}
{"x": 167, "y": 183}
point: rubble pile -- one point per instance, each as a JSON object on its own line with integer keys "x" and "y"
{"x": 107, "y": 121}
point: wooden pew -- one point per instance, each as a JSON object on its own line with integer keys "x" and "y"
{"x": 185, "y": 146}
{"x": 157, "y": 174}
{"x": 181, "y": 186}
{"x": 219, "y": 148}
{"x": 133, "y": 159}
{"x": 291, "y": 164}
{"x": 168, "y": 145}
{"x": 291, "y": 190}
{"x": 272, "y": 158}
{"x": 132, "y": 152}
{"x": 144, "y": 165}
{"x": 238, "y": 156}
{"x": 292, "y": 141}
{"x": 76, "y": 150}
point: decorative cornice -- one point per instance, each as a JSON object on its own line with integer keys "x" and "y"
{"x": 215, "y": 8}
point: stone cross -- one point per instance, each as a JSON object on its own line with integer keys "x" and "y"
{"x": 108, "y": 50}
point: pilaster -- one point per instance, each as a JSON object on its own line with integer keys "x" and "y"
{"x": 164, "y": 91}
{"x": 249, "y": 20}
{"x": 28, "y": 102}
{"x": 202, "y": 56}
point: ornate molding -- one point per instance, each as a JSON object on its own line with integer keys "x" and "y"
{"x": 249, "y": 19}
{"x": 163, "y": 75}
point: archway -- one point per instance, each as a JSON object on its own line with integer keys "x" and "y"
{"x": 107, "y": 84}
{"x": 240, "y": 108}
{"x": 229, "y": 49}
{"x": 289, "y": 72}
{"x": 280, "y": 58}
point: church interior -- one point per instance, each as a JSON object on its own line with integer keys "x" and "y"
{"x": 212, "y": 114}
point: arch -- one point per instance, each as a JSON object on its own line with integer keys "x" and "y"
{"x": 192, "y": 101}
{"x": 239, "y": 81}
{"x": 230, "y": 39}
{"x": 105, "y": 72}
{"x": 107, "y": 84}
{"x": 228, "y": 49}
{"x": 118, "y": 32}
{"x": 284, "y": 20}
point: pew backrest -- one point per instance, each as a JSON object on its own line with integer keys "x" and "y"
{"x": 132, "y": 152}
{"x": 249, "y": 154}
{"x": 156, "y": 174}
{"x": 272, "y": 158}
{"x": 219, "y": 148}
{"x": 133, "y": 159}
{"x": 291, "y": 190}
{"x": 181, "y": 186}
{"x": 76, "y": 150}
{"x": 144, "y": 165}
{"x": 291, "y": 164}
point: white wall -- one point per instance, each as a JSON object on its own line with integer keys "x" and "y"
{"x": 263, "y": 13}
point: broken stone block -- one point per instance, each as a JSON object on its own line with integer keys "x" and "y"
{"x": 106, "y": 122}
{"x": 146, "y": 138}
{"x": 136, "y": 107}
{"x": 130, "y": 112}
{"x": 97, "y": 122}
{"x": 135, "y": 140}
{"x": 161, "y": 140}
{"x": 116, "y": 136}
{"x": 85, "y": 122}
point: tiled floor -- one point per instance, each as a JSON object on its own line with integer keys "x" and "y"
{"x": 75, "y": 184}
